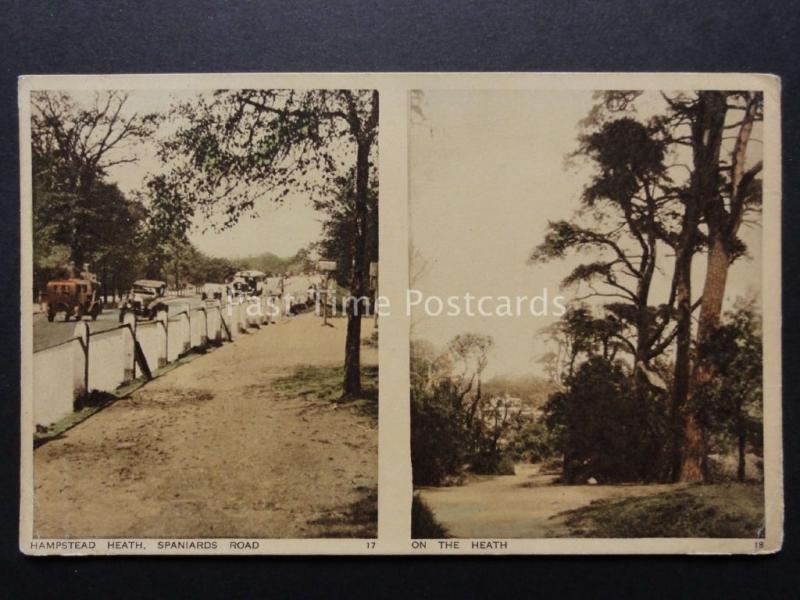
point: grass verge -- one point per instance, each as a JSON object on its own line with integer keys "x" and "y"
{"x": 359, "y": 520}
{"x": 730, "y": 510}
{"x": 325, "y": 384}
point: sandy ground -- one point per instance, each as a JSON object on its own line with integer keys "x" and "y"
{"x": 524, "y": 505}
{"x": 209, "y": 450}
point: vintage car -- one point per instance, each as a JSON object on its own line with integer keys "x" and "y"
{"x": 145, "y": 299}
{"x": 74, "y": 297}
{"x": 248, "y": 283}
{"x": 213, "y": 292}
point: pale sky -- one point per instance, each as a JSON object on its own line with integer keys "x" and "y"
{"x": 487, "y": 172}
{"x": 282, "y": 229}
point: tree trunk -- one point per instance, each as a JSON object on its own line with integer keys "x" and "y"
{"x": 352, "y": 347}
{"x": 693, "y": 466}
{"x": 723, "y": 224}
{"x": 740, "y": 471}
{"x": 680, "y": 388}
{"x": 693, "y": 458}
{"x": 714, "y": 288}
{"x": 352, "y": 359}
{"x": 103, "y": 285}
{"x": 83, "y": 188}
{"x": 683, "y": 336}
{"x": 708, "y": 123}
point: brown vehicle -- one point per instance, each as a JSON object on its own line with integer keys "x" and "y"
{"x": 74, "y": 297}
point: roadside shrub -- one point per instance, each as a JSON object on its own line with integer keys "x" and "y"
{"x": 506, "y": 466}
{"x": 453, "y": 424}
{"x": 533, "y": 443}
{"x": 372, "y": 340}
{"x": 603, "y": 430}
{"x": 493, "y": 464}
{"x": 438, "y": 441}
{"x": 730, "y": 405}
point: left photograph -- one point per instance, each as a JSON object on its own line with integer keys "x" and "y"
{"x": 204, "y": 340}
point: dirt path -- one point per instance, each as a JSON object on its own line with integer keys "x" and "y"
{"x": 209, "y": 450}
{"x": 524, "y": 505}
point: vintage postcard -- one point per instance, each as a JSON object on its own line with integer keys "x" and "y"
{"x": 401, "y": 314}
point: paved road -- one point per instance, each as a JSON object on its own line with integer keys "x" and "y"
{"x": 525, "y": 505}
{"x": 46, "y": 334}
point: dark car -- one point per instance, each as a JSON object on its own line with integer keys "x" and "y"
{"x": 74, "y": 297}
{"x": 145, "y": 299}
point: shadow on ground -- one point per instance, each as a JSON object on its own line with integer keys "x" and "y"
{"x": 358, "y": 520}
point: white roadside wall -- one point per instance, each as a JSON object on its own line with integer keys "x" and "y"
{"x": 59, "y": 372}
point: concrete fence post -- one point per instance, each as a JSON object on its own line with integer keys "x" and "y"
{"x": 187, "y": 332}
{"x": 80, "y": 372}
{"x": 224, "y": 326}
{"x": 243, "y": 316}
{"x": 162, "y": 317}
{"x": 234, "y": 320}
{"x": 239, "y": 326}
{"x": 274, "y": 308}
{"x": 130, "y": 341}
{"x": 219, "y": 333}
{"x": 252, "y": 313}
{"x": 230, "y": 314}
{"x": 264, "y": 316}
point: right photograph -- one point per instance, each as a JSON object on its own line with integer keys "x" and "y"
{"x": 586, "y": 304}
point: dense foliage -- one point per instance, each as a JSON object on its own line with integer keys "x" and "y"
{"x": 601, "y": 428}
{"x": 339, "y": 230}
{"x": 458, "y": 425}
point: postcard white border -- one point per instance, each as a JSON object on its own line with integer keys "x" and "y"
{"x": 394, "y": 452}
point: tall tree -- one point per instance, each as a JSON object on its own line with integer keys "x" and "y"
{"x": 722, "y": 190}
{"x": 115, "y": 237}
{"x": 706, "y": 211}
{"x": 244, "y": 145}
{"x": 627, "y": 210}
{"x": 73, "y": 146}
{"x": 471, "y": 352}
